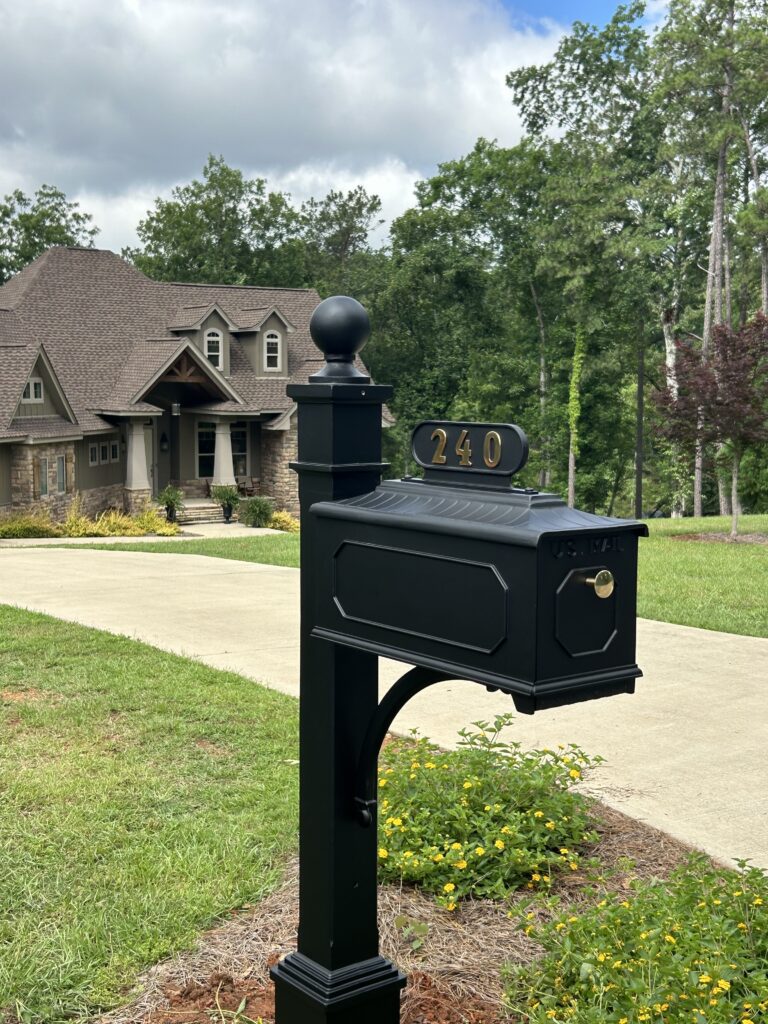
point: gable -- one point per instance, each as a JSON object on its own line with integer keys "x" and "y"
{"x": 51, "y": 401}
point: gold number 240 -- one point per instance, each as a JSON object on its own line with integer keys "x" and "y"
{"x": 491, "y": 448}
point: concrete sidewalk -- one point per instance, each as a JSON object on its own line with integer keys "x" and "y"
{"x": 687, "y": 753}
{"x": 195, "y": 531}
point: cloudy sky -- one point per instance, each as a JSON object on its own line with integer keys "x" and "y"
{"x": 116, "y": 101}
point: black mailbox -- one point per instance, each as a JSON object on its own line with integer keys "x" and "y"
{"x": 458, "y": 574}
{"x": 507, "y": 587}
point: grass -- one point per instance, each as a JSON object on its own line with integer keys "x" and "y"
{"x": 142, "y": 796}
{"x": 268, "y": 549}
{"x": 710, "y": 585}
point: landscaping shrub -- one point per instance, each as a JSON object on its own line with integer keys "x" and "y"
{"x": 29, "y": 524}
{"x": 256, "y": 511}
{"x": 152, "y": 520}
{"x": 693, "y": 948}
{"x": 481, "y": 820}
{"x": 284, "y": 521}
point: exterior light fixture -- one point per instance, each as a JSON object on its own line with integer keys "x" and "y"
{"x": 164, "y": 446}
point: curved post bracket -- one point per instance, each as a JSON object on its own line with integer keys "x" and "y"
{"x": 392, "y": 703}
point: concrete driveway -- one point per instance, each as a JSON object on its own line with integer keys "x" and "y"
{"x": 687, "y": 753}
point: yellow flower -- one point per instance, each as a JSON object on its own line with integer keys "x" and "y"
{"x": 467, "y": 785}
{"x": 573, "y": 865}
{"x": 449, "y": 887}
{"x": 670, "y": 939}
{"x": 506, "y": 830}
{"x": 551, "y": 1014}
{"x": 382, "y": 782}
{"x": 408, "y": 853}
{"x": 550, "y": 825}
{"x": 559, "y": 927}
{"x": 461, "y": 864}
{"x": 487, "y": 807}
{"x": 479, "y": 850}
{"x": 438, "y": 857}
{"x": 383, "y": 853}
{"x": 429, "y": 764}
{"x": 564, "y": 850}
{"x": 538, "y": 814}
{"x": 451, "y": 906}
{"x": 536, "y": 877}
{"x": 499, "y": 844}
{"x": 757, "y": 902}
{"x": 576, "y": 774}
{"x": 723, "y": 985}
{"x": 741, "y": 926}
{"x": 704, "y": 979}
{"x": 455, "y": 846}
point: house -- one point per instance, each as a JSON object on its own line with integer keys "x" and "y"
{"x": 113, "y": 385}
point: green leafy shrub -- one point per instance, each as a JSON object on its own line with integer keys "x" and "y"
{"x": 284, "y": 521}
{"x": 693, "y": 948}
{"x": 225, "y": 494}
{"x": 256, "y": 511}
{"x": 29, "y": 524}
{"x": 482, "y": 820}
{"x": 172, "y": 500}
{"x": 152, "y": 520}
{"x": 77, "y": 523}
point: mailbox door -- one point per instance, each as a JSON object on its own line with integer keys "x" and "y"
{"x": 579, "y": 632}
{"x": 430, "y": 599}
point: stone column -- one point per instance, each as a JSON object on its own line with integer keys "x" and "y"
{"x": 138, "y": 489}
{"x": 223, "y": 466}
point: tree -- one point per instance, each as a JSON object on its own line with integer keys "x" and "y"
{"x": 335, "y": 231}
{"x": 224, "y": 229}
{"x": 730, "y": 389}
{"x": 29, "y": 226}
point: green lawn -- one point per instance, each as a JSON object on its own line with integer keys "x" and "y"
{"x": 706, "y": 584}
{"x": 269, "y": 549}
{"x": 141, "y": 796}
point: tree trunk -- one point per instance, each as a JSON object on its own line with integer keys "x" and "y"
{"x": 755, "y": 168}
{"x": 640, "y": 410}
{"x": 735, "y": 495}
{"x": 571, "y": 475}
{"x": 545, "y": 473}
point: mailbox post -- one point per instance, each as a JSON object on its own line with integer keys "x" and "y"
{"x": 457, "y": 574}
{"x": 336, "y": 974}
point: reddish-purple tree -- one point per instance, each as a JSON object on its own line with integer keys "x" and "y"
{"x": 722, "y": 399}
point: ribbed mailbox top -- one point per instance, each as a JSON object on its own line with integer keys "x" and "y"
{"x": 519, "y": 517}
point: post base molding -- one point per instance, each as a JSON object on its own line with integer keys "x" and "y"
{"x": 308, "y": 993}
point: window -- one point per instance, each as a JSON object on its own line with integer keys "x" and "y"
{"x": 213, "y": 348}
{"x": 206, "y": 448}
{"x": 61, "y": 474}
{"x": 104, "y": 452}
{"x": 239, "y": 432}
{"x": 33, "y": 392}
{"x": 114, "y": 451}
{"x": 43, "y": 477}
{"x": 273, "y": 355}
{"x": 93, "y": 455}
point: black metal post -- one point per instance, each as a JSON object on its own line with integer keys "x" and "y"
{"x": 337, "y": 973}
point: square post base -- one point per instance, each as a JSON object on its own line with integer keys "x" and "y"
{"x": 308, "y": 993}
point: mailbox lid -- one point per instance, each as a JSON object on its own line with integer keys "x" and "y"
{"x": 517, "y": 517}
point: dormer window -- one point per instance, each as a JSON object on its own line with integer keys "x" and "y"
{"x": 33, "y": 392}
{"x": 273, "y": 351}
{"x": 213, "y": 348}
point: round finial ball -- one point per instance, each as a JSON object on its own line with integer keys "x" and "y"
{"x": 340, "y": 327}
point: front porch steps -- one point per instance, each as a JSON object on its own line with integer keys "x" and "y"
{"x": 200, "y": 511}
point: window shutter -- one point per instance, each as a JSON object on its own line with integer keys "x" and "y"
{"x": 36, "y": 478}
{"x": 69, "y": 468}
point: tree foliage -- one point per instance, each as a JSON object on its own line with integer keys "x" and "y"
{"x": 30, "y": 225}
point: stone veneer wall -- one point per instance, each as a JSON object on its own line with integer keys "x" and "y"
{"x": 278, "y": 481}
{"x": 23, "y": 497}
{"x": 134, "y": 501}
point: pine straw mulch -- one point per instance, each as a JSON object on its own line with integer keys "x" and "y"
{"x": 724, "y": 538}
{"x": 453, "y": 978}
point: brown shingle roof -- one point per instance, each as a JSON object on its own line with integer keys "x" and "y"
{"x": 92, "y": 310}
{"x": 16, "y": 362}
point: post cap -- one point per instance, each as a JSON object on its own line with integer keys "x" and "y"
{"x": 340, "y": 328}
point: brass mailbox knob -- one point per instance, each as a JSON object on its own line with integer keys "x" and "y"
{"x": 603, "y": 583}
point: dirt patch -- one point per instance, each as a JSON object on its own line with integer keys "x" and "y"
{"x": 211, "y": 748}
{"x": 21, "y": 696}
{"x": 453, "y": 978}
{"x": 724, "y": 538}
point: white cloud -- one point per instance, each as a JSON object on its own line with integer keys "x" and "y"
{"x": 114, "y": 102}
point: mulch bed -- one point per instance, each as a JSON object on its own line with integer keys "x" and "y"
{"x": 720, "y": 538}
{"x": 453, "y": 978}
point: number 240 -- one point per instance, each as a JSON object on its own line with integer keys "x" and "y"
{"x": 491, "y": 448}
